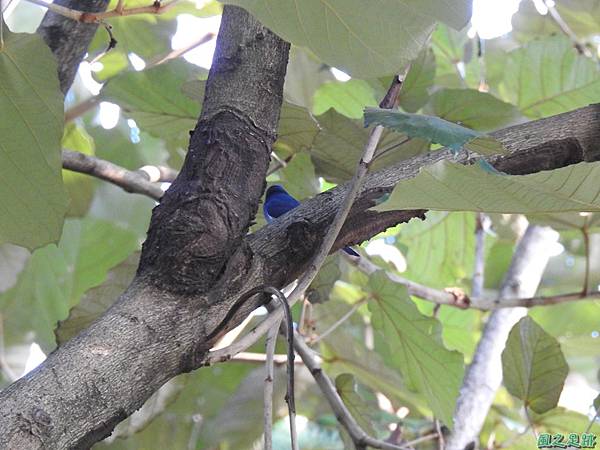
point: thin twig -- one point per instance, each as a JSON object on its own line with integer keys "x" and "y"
{"x": 81, "y": 108}
{"x": 566, "y": 29}
{"x": 427, "y": 437}
{"x": 586, "y": 244}
{"x": 391, "y": 147}
{"x": 478, "y": 270}
{"x": 270, "y": 342}
{"x": 358, "y": 435}
{"x": 107, "y": 171}
{"x": 440, "y": 433}
{"x": 457, "y": 298}
{"x": 96, "y": 17}
{"x": 340, "y": 321}
{"x": 260, "y": 358}
{"x": 180, "y": 51}
{"x": 289, "y": 322}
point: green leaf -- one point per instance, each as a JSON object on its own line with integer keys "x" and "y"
{"x": 79, "y": 186}
{"x": 154, "y": 99}
{"x": 97, "y": 300}
{"x": 297, "y": 129}
{"x": 320, "y": 289}
{"x": 420, "y": 77}
{"x": 449, "y": 49}
{"x": 361, "y": 411}
{"x": 437, "y": 130}
{"x": 355, "y": 37}
{"x": 533, "y": 365}
{"x": 453, "y": 187}
{"x": 561, "y": 420}
{"x": 240, "y": 420}
{"x": 340, "y": 143}
{"x": 56, "y": 276}
{"x": 32, "y": 196}
{"x": 540, "y": 87}
{"x": 415, "y": 347}
{"x": 415, "y": 88}
{"x": 305, "y": 73}
{"x": 343, "y": 352}
{"x": 440, "y": 248}
{"x": 348, "y": 98}
{"x": 473, "y": 109}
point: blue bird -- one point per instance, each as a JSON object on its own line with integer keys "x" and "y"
{"x": 278, "y": 202}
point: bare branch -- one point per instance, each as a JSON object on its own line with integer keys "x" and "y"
{"x": 477, "y": 288}
{"x": 358, "y": 435}
{"x": 96, "y": 17}
{"x": 107, "y": 171}
{"x": 484, "y": 375}
{"x": 270, "y": 342}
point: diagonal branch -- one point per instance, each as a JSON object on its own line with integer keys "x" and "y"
{"x": 484, "y": 375}
{"x": 358, "y": 435}
{"x": 136, "y": 182}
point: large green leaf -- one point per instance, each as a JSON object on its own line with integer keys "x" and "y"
{"x": 329, "y": 273}
{"x": 440, "y": 249}
{"x": 366, "y": 40}
{"x": 541, "y": 87}
{"x": 340, "y": 143}
{"x": 297, "y": 129}
{"x": 56, "y": 276}
{"x": 533, "y": 365}
{"x": 437, "y": 130}
{"x": 33, "y": 200}
{"x": 97, "y": 300}
{"x": 305, "y": 73}
{"x": 348, "y": 98}
{"x": 155, "y": 100}
{"x": 420, "y": 77}
{"x": 415, "y": 347}
{"x": 453, "y": 187}
{"x": 473, "y": 109}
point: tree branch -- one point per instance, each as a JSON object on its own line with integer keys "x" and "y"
{"x": 484, "y": 375}
{"x": 85, "y": 16}
{"x": 69, "y": 39}
{"x": 137, "y": 182}
{"x": 358, "y": 435}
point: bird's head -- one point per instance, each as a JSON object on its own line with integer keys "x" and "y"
{"x": 275, "y": 189}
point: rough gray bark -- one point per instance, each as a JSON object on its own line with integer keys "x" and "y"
{"x": 68, "y": 39}
{"x": 484, "y": 375}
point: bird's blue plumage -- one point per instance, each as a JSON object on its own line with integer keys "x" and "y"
{"x": 278, "y": 202}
